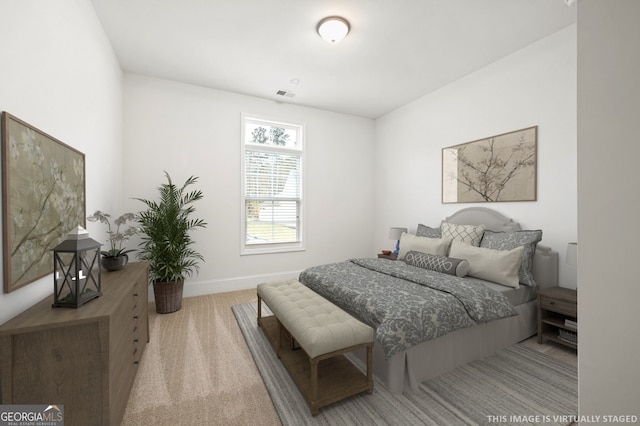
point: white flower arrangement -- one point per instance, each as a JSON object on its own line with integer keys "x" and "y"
{"x": 117, "y": 237}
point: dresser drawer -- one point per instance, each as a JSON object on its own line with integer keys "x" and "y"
{"x": 560, "y": 306}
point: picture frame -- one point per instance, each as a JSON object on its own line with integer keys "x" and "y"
{"x": 43, "y": 199}
{"x": 499, "y": 168}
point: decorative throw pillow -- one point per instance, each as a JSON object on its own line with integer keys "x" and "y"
{"x": 427, "y": 231}
{"x": 469, "y": 234}
{"x": 444, "y": 264}
{"x": 408, "y": 242}
{"x": 498, "y": 266}
{"x": 510, "y": 240}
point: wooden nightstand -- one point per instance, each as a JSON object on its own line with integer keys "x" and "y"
{"x": 558, "y": 316}
{"x": 387, "y": 256}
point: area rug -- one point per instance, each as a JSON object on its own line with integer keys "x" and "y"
{"x": 517, "y": 386}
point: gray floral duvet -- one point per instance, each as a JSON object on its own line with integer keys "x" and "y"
{"x": 406, "y": 305}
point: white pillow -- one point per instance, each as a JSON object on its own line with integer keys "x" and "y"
{"x": 470, "y": 234}
{"x": 437, "y": 246}
{"x": 498, "y": 266}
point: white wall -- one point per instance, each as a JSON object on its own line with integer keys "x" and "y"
{"x": 535, "y": 86}
{"x": 608, "y": 207}
{"x": 60, "y": 75}
{"x": 189, "y": 130}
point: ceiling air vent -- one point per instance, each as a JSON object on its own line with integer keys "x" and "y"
{"x": 285, "y": 93}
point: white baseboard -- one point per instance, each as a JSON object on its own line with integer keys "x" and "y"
{"x": 200, "y": 288}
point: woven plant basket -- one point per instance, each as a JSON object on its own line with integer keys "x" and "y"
{"x": 168, "y": 296}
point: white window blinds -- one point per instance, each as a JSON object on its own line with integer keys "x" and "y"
{"x": 272, "y": 185}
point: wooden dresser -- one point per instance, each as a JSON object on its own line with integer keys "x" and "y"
{"x": 85, "y": 359}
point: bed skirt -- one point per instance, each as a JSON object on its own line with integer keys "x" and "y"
{"x": 404, "y": 371}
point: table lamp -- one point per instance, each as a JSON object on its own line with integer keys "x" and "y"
{"x": 395, "y": 234}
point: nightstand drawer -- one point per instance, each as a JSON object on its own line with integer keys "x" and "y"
{"x": 560, "y": 306}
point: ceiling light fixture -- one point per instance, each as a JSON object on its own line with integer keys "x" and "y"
{"x": 333, "y": 29}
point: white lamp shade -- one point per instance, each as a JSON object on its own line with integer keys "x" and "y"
{"x": 396, "y": 233}
{"x": 333, "y": 29}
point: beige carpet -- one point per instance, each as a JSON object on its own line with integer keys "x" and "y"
{"x": 197, "y": 369}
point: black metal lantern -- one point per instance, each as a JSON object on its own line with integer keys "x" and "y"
{"x": 76, "y": 270}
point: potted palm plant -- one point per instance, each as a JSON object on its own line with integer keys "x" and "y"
{"x": 166, "y": 242}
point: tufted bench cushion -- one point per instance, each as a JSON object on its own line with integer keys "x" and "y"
{"x": 319, "y": 326}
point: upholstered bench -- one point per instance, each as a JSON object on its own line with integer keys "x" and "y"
{"x": 324, "y": 332}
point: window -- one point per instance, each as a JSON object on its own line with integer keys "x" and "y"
{"x": 272, "y": 159}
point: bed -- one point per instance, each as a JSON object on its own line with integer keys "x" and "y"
{"x": 429, "y": 322}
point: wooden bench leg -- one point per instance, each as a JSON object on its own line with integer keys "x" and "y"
{"x": 259, "y": 310}
{"x": 313, "y": 403}
{"x": 370, "y": 368}
{"x": 278, "y": 338}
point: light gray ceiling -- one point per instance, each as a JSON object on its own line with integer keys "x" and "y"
{"x": 397, "y": 50}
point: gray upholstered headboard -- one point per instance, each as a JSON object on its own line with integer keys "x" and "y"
{"x": 545, "y": 261}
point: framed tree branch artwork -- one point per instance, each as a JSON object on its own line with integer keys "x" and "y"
{"x": 493, "y": 169}
{"x": 43, "y": 198}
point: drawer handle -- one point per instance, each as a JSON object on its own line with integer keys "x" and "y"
{"x": 552, "y": 302}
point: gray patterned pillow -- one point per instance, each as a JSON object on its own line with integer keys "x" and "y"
{"x": 511, "y": 240}
{"x": 427, "y": 231}
{"x": 468, "y": 234}
{"x": 447, "y": 265}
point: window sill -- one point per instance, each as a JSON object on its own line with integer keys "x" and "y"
{"x": 247, "y": 251}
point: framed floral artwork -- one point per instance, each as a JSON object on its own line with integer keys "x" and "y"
{"x": 493, "y": 169}
{"x": 43, "y": 199}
